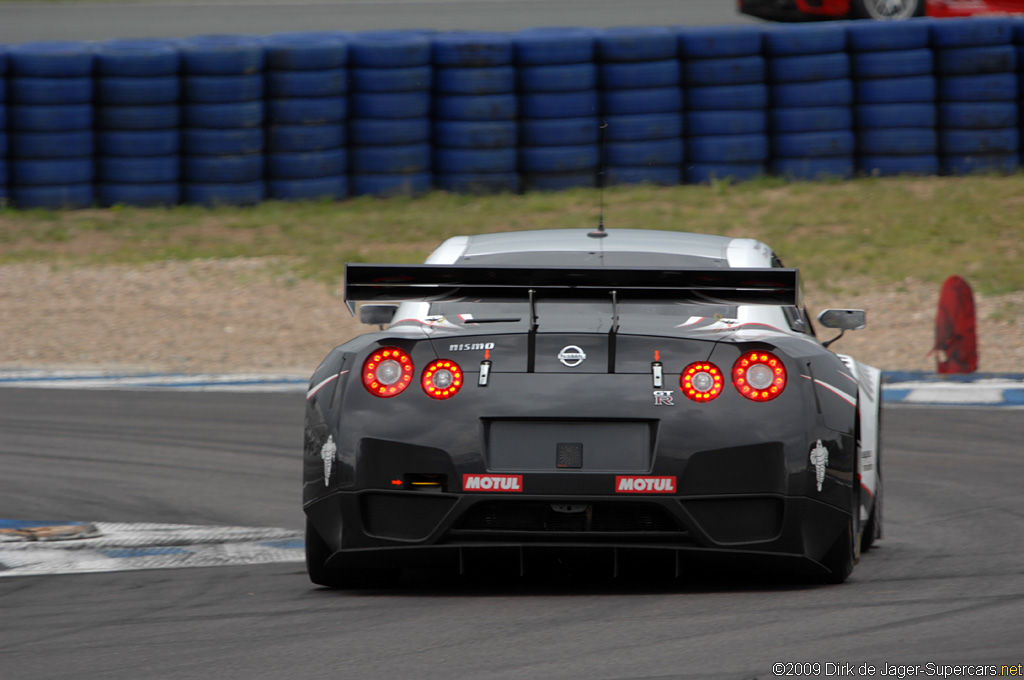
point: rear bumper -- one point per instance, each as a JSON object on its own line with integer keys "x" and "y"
{"x": 766, "y": 533}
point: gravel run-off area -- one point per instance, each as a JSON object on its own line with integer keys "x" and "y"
{"x": 246, "y": 316}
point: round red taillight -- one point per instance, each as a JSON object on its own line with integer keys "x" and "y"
{"x": 442, "y": 379}
{"x": 387, "y": 372}
{"x": 701, "y": 381}
{"x": 759, "y": 376}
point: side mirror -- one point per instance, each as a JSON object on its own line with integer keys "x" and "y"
{"x": 377, "y": 315}
{"x": 842, "y": 320}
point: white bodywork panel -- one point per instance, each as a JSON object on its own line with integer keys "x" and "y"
{"x": 869, "y": 383}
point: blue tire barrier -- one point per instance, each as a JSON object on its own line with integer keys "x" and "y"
{"x": 580, "y": 104}
{"x": 456, "y": 134}
{"x": 1005, "y": 164}
{"x": 306, "y": 110}
{"x": 404, "y": 159}
{"x": 222, "y": 169}
{"x": 49, "y": 171}
{"x": 138, "y": 142}
{"x": 811, "y": 169}
{"x": 558, "y": 159}
{"x": 230, "y": 142}
{"x": 558, "y": 77}
{"x": 55, "y": 197}
{"x": 636, "y": 43}
{"x": 473, "y": 49}
{"x": 640, "y": 101}
{"x": 559, "y": 131}
{"x": 138, "y": 117}
{"x": 135, "y": 58}
{"x": 892, "y": 166}
{"x": 482, "y": 107}
{"x": 897, "y": 141}
{"x": 724, "y": 71}
{"x": 389, "y": 49}
{"x": 791, "y": 40}
{"x": 142, "y": 195}
{"x": 325, "y": 83}
{"x": 642, "y": 127}
{"x": 315, "y": 189}
{"x": 810, "y": 119}
{"x": 475, "y": 161}
{"x": 371, "y": 132}
{"x": 978, "y": 115}
{"x": 137, "y": 90}
{"x": 545, "y": 46}
{"x": 972, "y": 32}
{"x": 138, "y": 170}
{"x": 895, "y": 115}
{"x": 222, "y": 89}
{"x": 658, "y": 175}
{"x": 990, "y": 87}
{"x": 75, "y": 143}
{"x": 713, "y": 42}
{"x": 821, "y": 93}
{"x": 809, "y": 68}
{"x": 50, "y": 90}
{"x": 636, "y": 75}
{"x": 559, "y": 181}
{"x": 727, "y": 97}
{"x": 408, "y": 79}
{"x": 306, "y": 164}
{"x": 975, "y": 60}
{"x": 476, "y": 183}
{"x": 705, "y": 173}
{"x": 909, "y": 90}
{"x": 390, "y": 105}
{"x": 475, "y": 81}
{"x": 898, "y": 64}
{"x": 308, "y": 51}
{"x": 230, "y": 115}
{"x": 742, "y": 122}
{"x": 223, "y": 194}
{"x": 830, "y": 143}
{"x": 879, "y": 36}
{"x": 651, "y": 152}
{"x": 728, "y": 149}
{"x": 64, "y": 59}
{"x": 291, "y": 138}
{"x": 979, "y": 142}
{"x": 385, "y": 185}
{"x": 221, "y": 55}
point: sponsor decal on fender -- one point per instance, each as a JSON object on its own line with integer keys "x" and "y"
{"x": 493, "y": 483}
{"x": 645, "y": 484}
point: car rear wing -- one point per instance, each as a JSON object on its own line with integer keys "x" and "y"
{"x": 391, "y": 283}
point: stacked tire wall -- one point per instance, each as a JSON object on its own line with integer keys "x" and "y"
{"x": 234, "y": 120}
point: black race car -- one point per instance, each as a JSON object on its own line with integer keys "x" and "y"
{"x": 629, "y": 396}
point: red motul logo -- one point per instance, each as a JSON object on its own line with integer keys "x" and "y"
{"x": 498, "y": 483}
{"x": 645, "y": 485}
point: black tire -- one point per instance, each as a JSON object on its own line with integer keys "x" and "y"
{"x": 326, "y": 83}
{"x": 975, "y": 60}
{"x": 221, "y": 55}
{"x": 138, "y": 91}
{"x": 485, "y": 107}
{"x": 642, "y": 101}
{"x": 978, "y": 115}
{"x": 908, "y": 90}
{"x": 389, "y": 49}
{"x": 558, "y": 77}
{"x": 140, "y": 170}
{"x": 897, "y": 141}
{"x": 554, "y": 45}
{"x": 55, "y": 197}
{"x": 475, "y": 81}
{"x": 872, "y": 9}
{"x": 640, "y": 74}
{"x": 51, "y": 59}
{"x": 742, "y": 122}
{"x": 809, "y": 68}
{"x": 895, "y": 115}
{"x": 50, "y": 91}
{"x": 810, "y": 119}
{"x": 220, "y": 116}
{"x": 138, "y": 117}
{"x": 137, "y": 58}
{"x": 222, "y": 89}
{"x": 306, "y": 165}
{"x": 139, "y": 143}
{"x": 390, "y": 184}
{"x": 1006, "y": 164}
{"x": 712, "y": 42}
{"x": 139, "y": 194}
{"x": 894, "y": 64}
{"x": 317, "y": 553}
{"x": 882, "y": 37}
{"x": 991, "y": 87}
{"x": 727, "y": 71}
{"x": 230, "y": 193}
{"x": 841, "y": 557}
{"x": 813, "y": 169}
{"x": 635, "y": 44}
{"x": 227, "y": 169}
{"x": 971, "y": 32}
{"x": 728, "y": 149}
{"x": 306, "y": 110}
{"x": 408, "y": 79}
{"x": 391, "y": 105}
{"x": 727, "y": 97}
{"x": 318, "y": 189}
{"x": 202, "y": 142}
{"x": 873, "y": 527}
{"x": 894, "y": 166}
{"x": 837, "y": 92}
{"x": 286, "y": 138}
{"x": 791, "y": 40}
{"x": 73, "y": 144}
{"x": 472, "y": 49}
{"x": 309, "y": 51}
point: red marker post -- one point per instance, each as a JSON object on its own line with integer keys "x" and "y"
{"x": 956, "y": 341}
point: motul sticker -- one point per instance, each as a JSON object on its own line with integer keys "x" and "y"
{"x": 493, "y": 483}
{"x": 645, "y": 485}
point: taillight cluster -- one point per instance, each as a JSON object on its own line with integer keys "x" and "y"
{"x": 757, "y": 375}
{"x": 389, "y": 370}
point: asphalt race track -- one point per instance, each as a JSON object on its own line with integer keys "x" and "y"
{"x": 946, "y": 585}
{"x": 26, "y": 21}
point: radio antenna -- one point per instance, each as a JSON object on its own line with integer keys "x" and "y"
{"x": 600, "y": 232}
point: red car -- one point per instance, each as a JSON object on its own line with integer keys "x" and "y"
{"x": 808, "y": 10}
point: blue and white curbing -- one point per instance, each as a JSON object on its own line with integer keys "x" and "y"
{"x": 35, "y": 548}
{"x": 898, "y": 387}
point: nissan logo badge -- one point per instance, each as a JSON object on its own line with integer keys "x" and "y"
{"x": 572, "y": 356}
